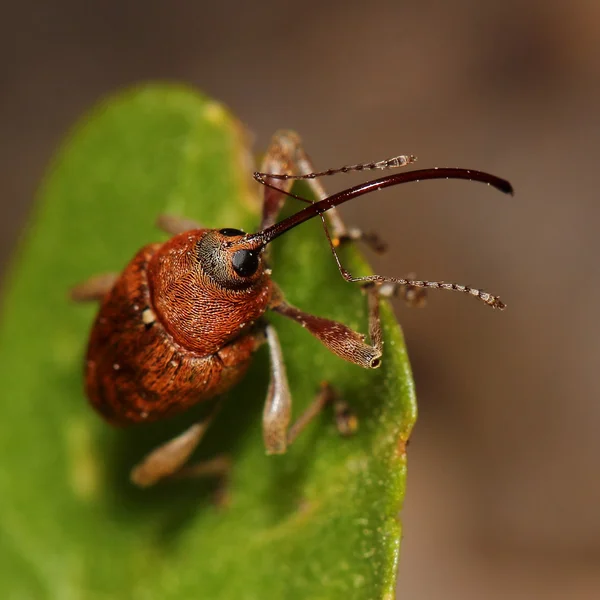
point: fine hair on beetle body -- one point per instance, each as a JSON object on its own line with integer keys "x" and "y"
{"x": 182, "y": 321}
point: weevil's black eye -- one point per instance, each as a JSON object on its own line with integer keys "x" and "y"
{"x": 245, "y": 262}
{"x": 228, "y": 232}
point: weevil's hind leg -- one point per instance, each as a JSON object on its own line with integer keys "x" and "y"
{"x": 337, "y": 337}
{"x": 169, "y": 459}
{"x": 286, "y": 156}
{"x": 174, "y": 225}
{"x": 277, "y": 433}
{"x": 94, "y": 288}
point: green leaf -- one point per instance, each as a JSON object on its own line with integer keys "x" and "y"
{"x": 318, "y": 522}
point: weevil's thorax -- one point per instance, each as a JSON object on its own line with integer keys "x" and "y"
{"x": 206, "y": 291}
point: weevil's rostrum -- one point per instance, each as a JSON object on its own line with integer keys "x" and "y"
{"x": 180, "y": 324}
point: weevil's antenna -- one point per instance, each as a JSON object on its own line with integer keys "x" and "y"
{"x": 389, "y": 163}
{"x": 489, "y": 299}
{"x": 262, "y": 238}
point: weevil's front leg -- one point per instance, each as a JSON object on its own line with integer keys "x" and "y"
{"x": 94, "y": 288}
{"x": 337, "y": 337}
{"x": 277, "y": 433}
{"x": 174, "y": 225}
{"x": 168, "y": 459}
{"x": 286, "y": 156}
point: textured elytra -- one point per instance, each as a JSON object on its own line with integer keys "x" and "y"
{"x": 136, "y": 371}
{"x": 319, "y": 522}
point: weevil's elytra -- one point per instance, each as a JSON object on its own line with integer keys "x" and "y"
{"x": 180, "y": 324}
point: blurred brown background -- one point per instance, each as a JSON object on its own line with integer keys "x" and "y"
{"x": 504, "y": 486}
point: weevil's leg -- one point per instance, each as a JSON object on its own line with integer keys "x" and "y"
{"x": 345, "y": 420}
{"x": 323, "y": 398}
{"x": 173, "y": 225}
{"x": 277, "y": 434}
{"x": 337, "y": 337}
{"x": 169, "y": 458}
{"x": 218, "y": 467}
{"x": 278, "y": 406}
{"x": 214, "y": 467}
{"x": 94, "y": 288}
{"x": 286, "y": 156}
{"x": 281, "y": 158}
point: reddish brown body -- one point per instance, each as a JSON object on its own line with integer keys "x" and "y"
{"x": 168, "y": 335}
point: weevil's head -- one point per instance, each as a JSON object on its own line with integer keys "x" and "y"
{"x": 231, "y": 260}
{"x": 208, "y": 286}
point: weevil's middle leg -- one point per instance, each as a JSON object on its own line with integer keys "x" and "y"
{"x": 286, "y": 156}
{"x": 277, "y": 433}
{"x": 278, "y": 406}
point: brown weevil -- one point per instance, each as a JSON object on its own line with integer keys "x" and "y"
{"x": 180, "y": 324}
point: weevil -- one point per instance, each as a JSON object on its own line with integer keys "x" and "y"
{"x": 180, "y": 324}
